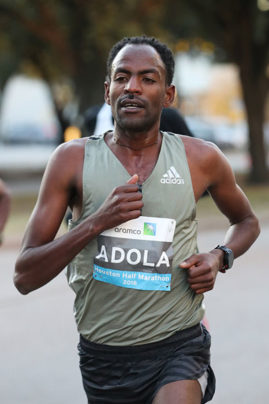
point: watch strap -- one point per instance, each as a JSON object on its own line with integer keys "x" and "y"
{"x": 227, "y": 258}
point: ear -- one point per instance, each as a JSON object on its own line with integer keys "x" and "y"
{"x": 107, "y": 96}
{"x": 169, "y": 96}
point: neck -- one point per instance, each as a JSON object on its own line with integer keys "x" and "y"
{"x": 136, "y": 148}
{"x": 136, "y": 142}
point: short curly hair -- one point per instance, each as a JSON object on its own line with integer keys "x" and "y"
{"x": 163, "y": 50}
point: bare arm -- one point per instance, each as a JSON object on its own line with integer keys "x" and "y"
{"x": 233, "y": 203}
{"x": 4, "y": 206}
{"x": 42, "y": 256}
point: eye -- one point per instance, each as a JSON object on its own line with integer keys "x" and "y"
{"x": 120, "y": 78}
{"x": 149, "y": 80}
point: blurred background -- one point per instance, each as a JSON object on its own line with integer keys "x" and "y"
{"x": 53, "y": 61}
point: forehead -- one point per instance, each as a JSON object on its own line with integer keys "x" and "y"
{"x": 138, "y": 57}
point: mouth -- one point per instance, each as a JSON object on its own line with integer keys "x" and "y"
{"x": 131, "y": 105}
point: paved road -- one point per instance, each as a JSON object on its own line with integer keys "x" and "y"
{"x": 38, "y": 338}
{"x": 238, "y": 310}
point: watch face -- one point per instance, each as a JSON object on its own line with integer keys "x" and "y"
{"x": 228, "y": 258}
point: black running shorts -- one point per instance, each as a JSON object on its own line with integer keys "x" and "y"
{"x": 135, "y": 374}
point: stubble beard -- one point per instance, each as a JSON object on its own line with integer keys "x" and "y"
{"x": 136, "y": 124}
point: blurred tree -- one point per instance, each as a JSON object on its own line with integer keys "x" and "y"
{"x": 71, "y": 38}
{"x": 240, "y": 30}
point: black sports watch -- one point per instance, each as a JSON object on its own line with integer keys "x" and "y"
{"x": 228, "y": 258}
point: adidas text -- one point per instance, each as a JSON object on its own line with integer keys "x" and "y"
{"x": 172, "y": 177}
{"x": 172, "y": 180}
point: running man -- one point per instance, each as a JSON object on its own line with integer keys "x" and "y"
{"x": 131, "y": 249}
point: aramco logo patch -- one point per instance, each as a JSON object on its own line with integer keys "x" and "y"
{"x": 149, "y": 229}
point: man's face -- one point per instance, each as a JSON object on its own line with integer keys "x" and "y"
{"x": 137, "y": 91}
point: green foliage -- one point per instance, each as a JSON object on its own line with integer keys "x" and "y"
{"x": 72, "y": 38}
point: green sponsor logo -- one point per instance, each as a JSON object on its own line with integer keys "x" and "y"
{"x": 149, "y": 229}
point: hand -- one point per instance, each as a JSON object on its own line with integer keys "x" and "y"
{"x": 202, "y": 271}
{"x": 122, "y": 204}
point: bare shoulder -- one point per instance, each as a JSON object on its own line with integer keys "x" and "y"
{"x": 74, "y": 149}
{"x": 60, "y": 187}
{"x": 203, "y": 154}
{"x": 208, "y": 165}
{"x": 67, "y": 159}
{"x": 199, "y": 149}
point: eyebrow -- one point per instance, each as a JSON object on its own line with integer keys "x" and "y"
{"x": 141, "y": 72}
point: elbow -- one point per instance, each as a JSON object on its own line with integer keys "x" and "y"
{"x": 20, "y": 285}
{"x": 21, "y": 281}
{"x": 256, "y": 227}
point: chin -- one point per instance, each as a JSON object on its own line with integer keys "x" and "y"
{"x": 135, "y": 125}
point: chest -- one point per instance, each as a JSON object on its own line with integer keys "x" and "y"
{"x": 166, "y": 183}
{"x": 141, "y": 164}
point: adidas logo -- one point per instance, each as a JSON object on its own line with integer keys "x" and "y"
{"x": 172, "y": 177}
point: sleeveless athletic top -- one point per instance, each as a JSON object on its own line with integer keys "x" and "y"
{"x": 129, "y": 287}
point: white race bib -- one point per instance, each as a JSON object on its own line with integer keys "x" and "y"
{"x": 136, "y": 254}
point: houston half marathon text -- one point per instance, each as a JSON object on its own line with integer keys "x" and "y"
{"x": 133, "y": 275}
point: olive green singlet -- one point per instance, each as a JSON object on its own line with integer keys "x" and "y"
{"x": 129, "y": 287}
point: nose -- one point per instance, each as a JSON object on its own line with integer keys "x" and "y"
{"x": 133, "y": 85}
